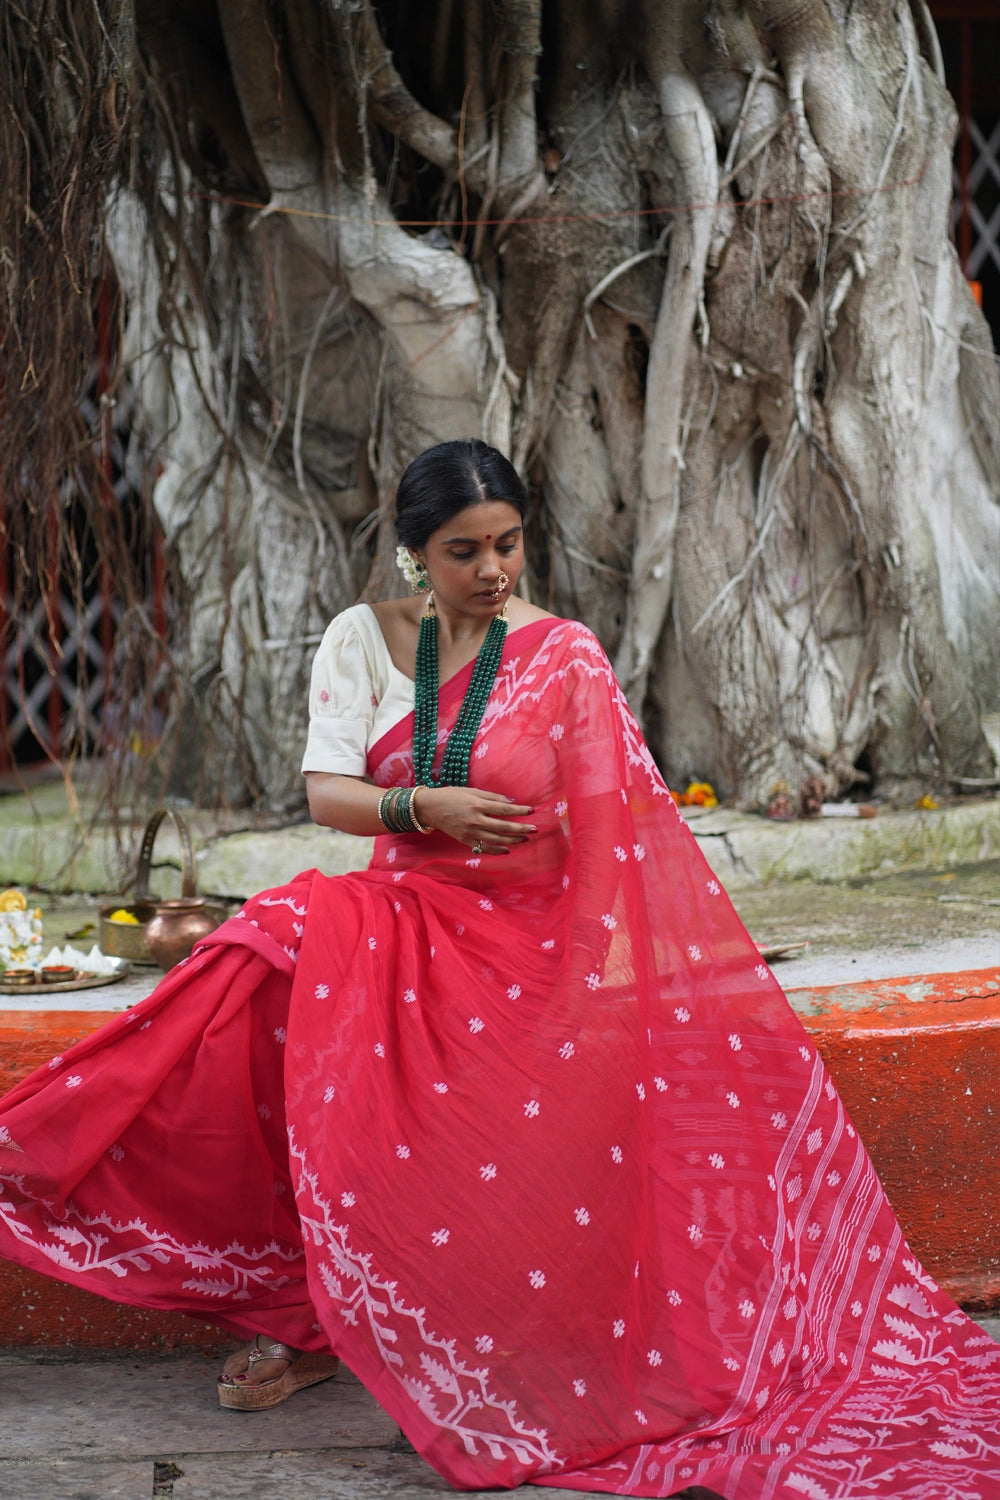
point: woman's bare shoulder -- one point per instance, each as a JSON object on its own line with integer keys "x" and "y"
{"x": 398, "y": 620}
{"x": 397, "y": 611}
{"x": 520, "y": 612}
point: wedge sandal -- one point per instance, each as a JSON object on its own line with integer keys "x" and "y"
{"x": 303, "y": 1370}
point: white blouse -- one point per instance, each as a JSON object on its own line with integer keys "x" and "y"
{"x": 355, "y": 695}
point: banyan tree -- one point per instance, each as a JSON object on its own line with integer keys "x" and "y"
{"x": 687, "y": 264}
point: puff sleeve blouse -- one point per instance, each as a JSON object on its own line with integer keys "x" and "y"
{"x": 356, "y": 694}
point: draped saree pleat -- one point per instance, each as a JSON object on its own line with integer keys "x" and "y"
{"x": 534, "y": 1142}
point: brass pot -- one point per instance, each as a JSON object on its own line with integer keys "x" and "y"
{"x": 166, "y": 931}
{"x": 127, "y": 939}
{"x": 178, "y": 926}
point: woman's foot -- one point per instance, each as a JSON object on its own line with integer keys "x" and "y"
{"x": 251, "y": 1364}
{"x": 267, "y": 1372}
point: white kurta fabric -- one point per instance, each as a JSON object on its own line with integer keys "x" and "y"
{"x": 356, "y": 694}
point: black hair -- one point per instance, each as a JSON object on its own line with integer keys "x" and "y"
{"x": 444, "y": 479}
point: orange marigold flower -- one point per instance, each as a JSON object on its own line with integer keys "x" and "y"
{"x": 700, "y": 794}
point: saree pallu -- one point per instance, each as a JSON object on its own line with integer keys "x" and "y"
{"x": 533, "y": 1141}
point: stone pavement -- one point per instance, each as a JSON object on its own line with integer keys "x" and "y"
{"x": 120, "y": 1428}
{"x": 137, "y": 1428}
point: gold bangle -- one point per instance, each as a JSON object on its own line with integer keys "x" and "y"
{"x": 418, "y": 826}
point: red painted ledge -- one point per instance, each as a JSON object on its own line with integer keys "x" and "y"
{"x": 917, "y": 1063}
{"x": 36, "y": 1311}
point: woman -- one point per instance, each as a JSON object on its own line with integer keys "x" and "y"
{"x": 515, "y": 1121}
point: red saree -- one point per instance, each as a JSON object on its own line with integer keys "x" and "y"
{"x": 534, "y": 1143}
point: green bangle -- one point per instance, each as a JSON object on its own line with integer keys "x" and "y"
{"x": 387, "y": 809}
{"x": 396, "y": 813}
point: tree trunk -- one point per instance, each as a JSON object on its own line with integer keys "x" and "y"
{"x": 689, "y": 265}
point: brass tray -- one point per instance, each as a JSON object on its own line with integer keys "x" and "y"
{"x": 82, "y": 982}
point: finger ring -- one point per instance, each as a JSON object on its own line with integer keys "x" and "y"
{"x": 477, "y": 848}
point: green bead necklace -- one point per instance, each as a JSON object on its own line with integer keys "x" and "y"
{"x": 458, "y": 748}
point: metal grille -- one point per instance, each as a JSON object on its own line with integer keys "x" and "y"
{"x": 979, "y": 199}
{"x": 55, "y": 678}
{"x": 58, "y": 633}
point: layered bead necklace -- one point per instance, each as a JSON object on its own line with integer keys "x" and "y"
{"x": 458, "y": 748}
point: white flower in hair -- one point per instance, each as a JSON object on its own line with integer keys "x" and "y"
{"x": 411, "y": 570}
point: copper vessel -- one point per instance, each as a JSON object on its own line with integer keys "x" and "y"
{"x": 177, "y": 927}
{"x": 165, "y": 931}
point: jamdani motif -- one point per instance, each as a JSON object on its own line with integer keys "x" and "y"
{"x": 534, "y": 1142}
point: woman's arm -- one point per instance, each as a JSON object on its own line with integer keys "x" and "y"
{"x": 464, "y": 813}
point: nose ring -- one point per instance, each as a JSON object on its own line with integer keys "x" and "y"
{"x": 502, "y": 582}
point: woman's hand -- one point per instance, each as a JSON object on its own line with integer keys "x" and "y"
{"x": 479, "y": 819}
